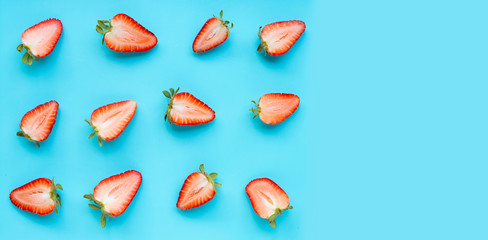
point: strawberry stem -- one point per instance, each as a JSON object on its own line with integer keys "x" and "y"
{"x": 28, "y": 56}
{"x": 103, "y": 28}
{"x": 263, "y": 44}
{"x": 54, "y": 195}
{"x": 98, "y": 206}
{"x": 277, "y": 212}
{"x": 256, "y": 111}
{"x": 211, "y": 177}
{"x": 21, "y": 133}
{"x": 171, "y": 94}
{"x": 95, "y": 129}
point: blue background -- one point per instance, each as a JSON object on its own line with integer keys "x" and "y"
{"x": 389, "y": 141}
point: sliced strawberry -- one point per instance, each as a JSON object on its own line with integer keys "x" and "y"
{"x": 277, "y": 38}
{"x": 114, "y": 194}
{"x": 267, "y": 199}
{"x": 185, "y": 109}
{"x": 38, "y": 196}
{"x": 213, "y": 33}
{"x": 40, "y": 40}
{"x": 274, "y": 108}
{"x": 124, "y": 34}
{"x": 109, "y": 121}
{"x": 36, "y": 125}
{"x": 198, "y": 189}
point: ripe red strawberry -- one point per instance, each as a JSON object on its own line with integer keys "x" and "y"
{"x": 40, "y": 40}
{"x": 185, "y": 109}
{"x": 198, "y": 189}
{"x": 109, "y": 121}
{"x": 124, "y": 34}
{"x": 36, "y": 125}
{"x": 213, "y": 33}
{"x": 114, "y": 194}
{"x": 267, "y": 199}
{"x": 38, "y": 196}
{"x": 277, "y": 38}
{"x": 274, "y": 108}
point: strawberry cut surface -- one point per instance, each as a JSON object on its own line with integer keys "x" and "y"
{"x": 213, "y": 33}
{"x": 268, "y": 199}
{"x": 277, "y": 38}
{"x": 109, "y": 121}
{"x": 274, "y": 108}
{"x": 40, "y": 39}
{"x": 38, "y": 196}
{"x": 186, "y": 109}
{"x": 123, "y": 34}
{"x": 114, "y": 194}
{"x": 37, "y": 124}
{"x": 198, "y": 189}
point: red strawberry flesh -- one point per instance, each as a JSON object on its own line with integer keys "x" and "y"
{"x": 198, "y": 189}
{"x": 267, "y": 199}
{"x": 127, "y": 35}
{"x": 186, "y": 109}
{"x": 213, "y": 33}
{"x": 117, "y": 192}
{"x": 38, "y": 123}
{"x": 42, "y": 37}
{"x": 277, "y": 38}
{"x": 38, "y": 196}
{"x": 110, "y": 120}
{"x": 274, "y": 108}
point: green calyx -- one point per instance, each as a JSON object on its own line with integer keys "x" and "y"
{"x": 21, "y": 133}
{"x": 263, "y": 44}
{"x": 171, "y": 94}
{"x": 54, "y": 195}
{"x": 95, "y": 129}
{"x": 256, "y": 110}
{"x": 28, "y": 57}
{"x": 211, "y": 178}
{"x": 103, "y": 28}
{"x": 224, "y": 22}
{"x": 98, "y": 206}
{"x": 277, "y": 212}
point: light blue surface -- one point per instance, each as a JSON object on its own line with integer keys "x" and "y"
{"x": 389, "y": 141}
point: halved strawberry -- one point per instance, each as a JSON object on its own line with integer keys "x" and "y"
{"x": 267, "y": 199}
{"x": 277, "y": 38}
{"x": 124, "y": 34}
{"x": 185, "y": 109}
{"x": 38, "y": 196}
{"x": 198, "y": 189}
{"x": 274, "y": 108}
{"x": 114, "y": 194}
{"x": 213, "y": 33}
{"x": 36, "y": 125}
{"x": 109, "y": 121}
{"x": 40, "y": 40}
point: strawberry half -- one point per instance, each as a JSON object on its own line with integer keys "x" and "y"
{"x": 37, "y": 124}
{"x": 114, "y": 194}
{"x": 124, "y": 34}
{"x": 267, "y": 199}
{"x": 213, "y": 33}
{"x": 274, "y": 108}
{"x": 38, "y": 196}
{"x": 198, "y": 189}
{"x": 277, "y": 38}
{"x": 185, "y": 109}
{"x": 40, "y": 40}
{"x": 109, "y": 121}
